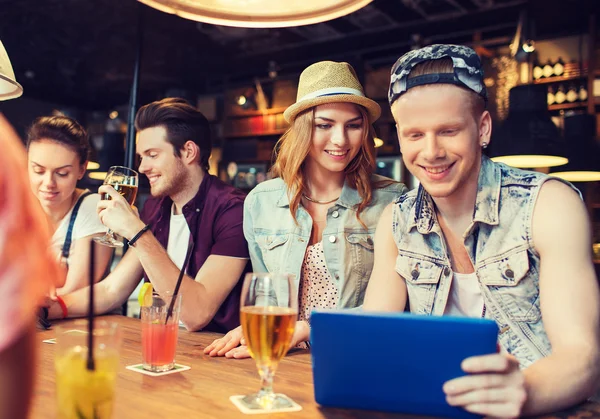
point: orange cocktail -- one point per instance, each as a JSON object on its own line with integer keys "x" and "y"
{"x": 159, "y": 342}
{"x": 159, "y": 334}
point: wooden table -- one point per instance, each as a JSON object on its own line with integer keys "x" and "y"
{"x": 203, "y": 391}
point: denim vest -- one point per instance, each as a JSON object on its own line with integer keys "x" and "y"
{"x": 277, "y": 244}
{"x": 500, "y": 246}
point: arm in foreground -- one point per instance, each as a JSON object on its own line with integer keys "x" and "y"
{"x": 569, "y": 302}
{"x": 386, "y": 290}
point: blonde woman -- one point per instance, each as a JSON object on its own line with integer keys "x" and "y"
{"x": 317, "y": 218}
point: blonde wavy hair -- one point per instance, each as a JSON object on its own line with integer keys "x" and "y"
{"x": 294, "y": 145}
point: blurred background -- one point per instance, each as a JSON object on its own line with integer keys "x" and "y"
{"x": 541, "y": 60}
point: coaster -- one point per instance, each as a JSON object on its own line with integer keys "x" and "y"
{"x": 237, "y": 401}
{"x": 72, "y": 331}
{"x": 76, "y": 332}
{"x": 140, "y": 368}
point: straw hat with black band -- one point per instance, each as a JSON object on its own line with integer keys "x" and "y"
{"x": 330, "y": 82}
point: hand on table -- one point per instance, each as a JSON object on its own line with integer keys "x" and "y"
{"x": 228, "y": 345}
{"x": 221, "y": 346}
{"x": 495, "y": 386}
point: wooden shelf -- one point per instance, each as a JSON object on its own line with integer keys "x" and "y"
{"x": 237, "y": 134}
{"x": 246, "y": 114}
{"x": 559, "y": 79}
{"x": 575, "y": 105}
{"x": 596, "y": 261}
{"x": 595, "y": 206}
{"x": 568, "y": 105}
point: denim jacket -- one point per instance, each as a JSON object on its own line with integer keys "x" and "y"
{"x": 277, "y": 244}
{"x": 500, "y": 246}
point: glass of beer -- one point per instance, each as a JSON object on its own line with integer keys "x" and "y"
{"x": 125, "y": 181}
{"x": 268, "y": 313}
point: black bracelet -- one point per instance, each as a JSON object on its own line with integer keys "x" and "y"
{"x": 42, "y": 319}
{"x": 137, "y": 236}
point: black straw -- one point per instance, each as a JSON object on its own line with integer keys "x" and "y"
{"x": 90, "y": 359}
{"x": 181, "y": 272}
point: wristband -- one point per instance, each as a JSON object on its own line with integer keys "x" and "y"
{"x": 137, "y": 236}
{"x": 63, "y": 307}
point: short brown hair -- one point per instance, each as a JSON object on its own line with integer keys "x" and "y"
{"x": 62, "y": 130}
{"x": 445, "y": 65}
{"x": 183, "y": 123}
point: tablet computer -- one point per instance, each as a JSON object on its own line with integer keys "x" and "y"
{"x": 395, "y": 362}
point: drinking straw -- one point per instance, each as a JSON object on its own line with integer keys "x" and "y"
{"x": 90, "y": 358}
{"x": 179, "y": 278}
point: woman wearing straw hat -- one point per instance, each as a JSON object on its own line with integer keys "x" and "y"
{"x": 317, "y": 218}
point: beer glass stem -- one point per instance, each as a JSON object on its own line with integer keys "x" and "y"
{"x": 266, "y": 394}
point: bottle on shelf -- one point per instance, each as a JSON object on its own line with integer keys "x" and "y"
{"x": 548, "y": 70}
{"x": 538, "y": 71}
{"x": 582, "y": 93}
{"x": 560, "y": 96}
{"x": 572, "y": 93}
{"x": 551, "y": 95}
{"x": 559, "y": 67}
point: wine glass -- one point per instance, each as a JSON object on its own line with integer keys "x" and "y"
{"x": 268, "y": 313}
{"x": 125, "y": 181}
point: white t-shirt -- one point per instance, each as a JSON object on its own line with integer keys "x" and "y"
{"x": 179, "y": 236}
{"x": 465, "y": 297}
{"x": 86, "y": 224}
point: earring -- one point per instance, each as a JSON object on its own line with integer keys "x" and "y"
{"x": 484, "y": 145}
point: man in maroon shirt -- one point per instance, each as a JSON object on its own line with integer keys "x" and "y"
{"x": 190, "y": 211}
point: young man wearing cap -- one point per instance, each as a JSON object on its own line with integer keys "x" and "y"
{"x": 482, "y": 239}
{"x": 193, "y": 218}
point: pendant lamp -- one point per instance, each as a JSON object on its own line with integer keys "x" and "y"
{"x": 582, "y": 150}
{"x": 528, "y": 138}
{"x": 9, "y": 88}
{"x": 258, "y": 13}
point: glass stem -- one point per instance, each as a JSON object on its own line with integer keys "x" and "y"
{"x": 266, "y": 375}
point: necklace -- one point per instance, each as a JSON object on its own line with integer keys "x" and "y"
{"x": 458, "y": 252}
{"x": 316, "y": 201}
{"x": 458, "y": 255}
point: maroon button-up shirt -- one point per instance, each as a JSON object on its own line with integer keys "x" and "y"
{"x": 214, "y": 217}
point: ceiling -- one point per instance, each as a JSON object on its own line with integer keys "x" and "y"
{"x": 82, "y": 52}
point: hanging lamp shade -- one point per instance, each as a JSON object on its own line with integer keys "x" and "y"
{"x": 258, "y": 13}
{"x": 9, "y": 88}
{"x": 582, "y": 150}
{"x": 528, "y": 138}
